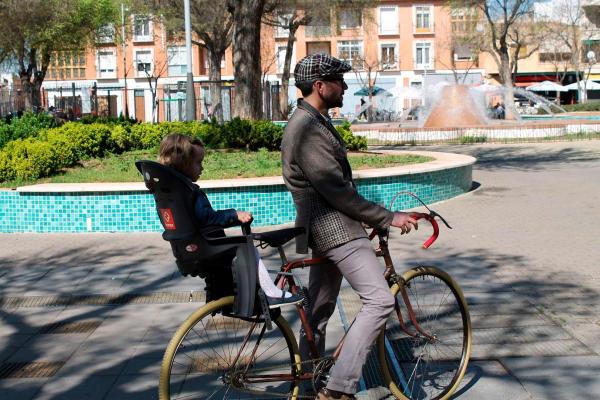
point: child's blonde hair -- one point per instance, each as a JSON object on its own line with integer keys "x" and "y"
{"x": 177, "y": 151}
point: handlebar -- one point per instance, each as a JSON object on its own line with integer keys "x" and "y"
{"x": 434, "y": 224}
{"x": 430, "y": 218}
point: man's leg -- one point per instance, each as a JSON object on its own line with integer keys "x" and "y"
{"x": 323, "y": 287}
{"x": 357, "y": 262}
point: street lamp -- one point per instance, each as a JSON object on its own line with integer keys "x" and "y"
{"x": 190, "y": 97}
{"x": 124, "y": 44}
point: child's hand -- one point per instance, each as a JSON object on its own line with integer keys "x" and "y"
{"x": 244, "y": 216}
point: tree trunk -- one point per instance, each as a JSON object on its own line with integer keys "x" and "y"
{"x": 509, "y": 95}
{"x": 214, "y": 75}
{"x": 285, "y": 77}
{"x": 246, "y": 61}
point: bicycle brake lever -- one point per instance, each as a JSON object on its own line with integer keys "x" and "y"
{"x": 434, "y": 214}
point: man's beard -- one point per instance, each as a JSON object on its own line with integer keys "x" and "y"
{"x": 339, "y": 102}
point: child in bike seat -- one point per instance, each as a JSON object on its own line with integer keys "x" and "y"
{"x": 186, "y": 154}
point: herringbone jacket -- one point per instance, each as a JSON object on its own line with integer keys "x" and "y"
{"x": 317, "y": 173}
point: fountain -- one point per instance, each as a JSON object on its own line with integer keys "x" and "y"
{"x": 454, "y": 106}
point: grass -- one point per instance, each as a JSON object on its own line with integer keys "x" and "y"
{"x": 217, "y": 165}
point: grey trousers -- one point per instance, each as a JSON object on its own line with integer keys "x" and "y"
{"x": 355, "y": 261}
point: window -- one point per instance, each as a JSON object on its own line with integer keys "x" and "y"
{"x": 106, "y": 34}
{"x": 142, "y": 28}
{"x": 281, "y": 50}
{"x": 555, "y": 57}
{"x": 107, "y": 63}
{"x": 464, "y": 20}
{"x": 349, "y": 19}
{"x": 388, "y": 20}
{"x": 462, "y": 52}
{"x": 177, "y": 57}
{"x": 389, "y": 55}
{"x": 318, "y": 47}
{"x": 144, "y": 63}
{"x": 319, "y": 26}
{"x": 423, "y": 19}
{"x": 282, "y": 20}
{"x": 423, "y": 55}
{"x": 351, "y": 52}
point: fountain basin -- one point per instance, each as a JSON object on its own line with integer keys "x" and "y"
{"x": 128, "y": 207}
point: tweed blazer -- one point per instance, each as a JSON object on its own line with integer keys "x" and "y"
{"x": 317, "y": 173}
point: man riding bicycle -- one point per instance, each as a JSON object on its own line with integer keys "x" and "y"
{"x": 317, "y": 173}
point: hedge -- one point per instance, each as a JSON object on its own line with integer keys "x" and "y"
{"x": 47, "y": 150}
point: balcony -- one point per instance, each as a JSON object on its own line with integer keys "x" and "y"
{"x": 424, "y": 30}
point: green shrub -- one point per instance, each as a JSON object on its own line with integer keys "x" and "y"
{"x": 65, "y": 150}
{"x": 589, "y": 106}
{"x": 5, "y": 133}
{"x": 120, "y": 139}
{"x": 237, "y": 133}
{"x": 472, "y": 139}
{"x": 28, "y": 125}
{"x": 210, "y": 134}
{"x": 33, "y": 159}
{"x": 265, "y": 134}
{"x": 353, "y": 143}
{"x": 147, "y": 135}
{"x": 26, "y": 159}
{"x": 7, "y": 171}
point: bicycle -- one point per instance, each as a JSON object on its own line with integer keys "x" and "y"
{"x": 423, "y": 350}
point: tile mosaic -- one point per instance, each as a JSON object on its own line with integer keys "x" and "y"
{"x": 135, "y": 210}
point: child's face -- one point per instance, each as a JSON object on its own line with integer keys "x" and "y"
{"x": 195, "y": 168}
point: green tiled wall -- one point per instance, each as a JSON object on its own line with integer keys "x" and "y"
{"x": 135, "y": 211}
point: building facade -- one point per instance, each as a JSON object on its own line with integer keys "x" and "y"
{"x": 399, "y": 46}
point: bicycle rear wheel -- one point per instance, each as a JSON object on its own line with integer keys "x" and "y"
{"x": 214, "y": 356}
{"x": 426, "y": 359}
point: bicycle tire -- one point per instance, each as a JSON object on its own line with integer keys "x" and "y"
{"x": 201, "y": 358}
{"x": 420, "y": 367}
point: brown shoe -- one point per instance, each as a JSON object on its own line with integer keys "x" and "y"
{"x": 328, "y": 394}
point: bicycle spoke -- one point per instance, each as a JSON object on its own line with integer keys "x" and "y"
{"x": 428, "y": 364}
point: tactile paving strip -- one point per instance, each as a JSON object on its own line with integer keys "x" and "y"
{"x": 102, "y": 299}
{"x": 35, "y": 369}
{"x": 71, "y": 327}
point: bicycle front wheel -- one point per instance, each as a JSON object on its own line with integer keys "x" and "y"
{"x": 215, "y": 356}
{"x": 425, "y": 347}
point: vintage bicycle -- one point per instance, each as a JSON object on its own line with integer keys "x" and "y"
{"x": 423, "y": 350}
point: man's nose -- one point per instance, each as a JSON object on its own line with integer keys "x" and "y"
{"x": 344, "y": 85}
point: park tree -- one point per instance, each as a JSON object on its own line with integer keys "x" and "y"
{"x": 211, "y": 23}
{"x": 246, "y": 18}
{"x": 32, "y": 30}
{"x": 289, "y": 15}
{"x": 567, "y": 39}
{"x": 511, "y": 34}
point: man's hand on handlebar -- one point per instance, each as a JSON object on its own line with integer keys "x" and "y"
{"x": 405, "y": 221}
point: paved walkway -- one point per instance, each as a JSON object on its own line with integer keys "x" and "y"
{"x": 98, "y": 309}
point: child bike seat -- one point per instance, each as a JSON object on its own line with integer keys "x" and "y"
{"x": 228, "y": 263}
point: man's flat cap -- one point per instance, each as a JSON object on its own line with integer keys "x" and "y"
{"x": 320, "y": 66}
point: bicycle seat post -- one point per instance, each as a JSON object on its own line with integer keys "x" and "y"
{"x": 282, "y": 255}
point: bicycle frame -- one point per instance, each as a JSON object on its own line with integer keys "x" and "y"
{"x": 285, "y": 277}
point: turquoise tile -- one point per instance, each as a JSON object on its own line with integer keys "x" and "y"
{"x": 135, "y": 211}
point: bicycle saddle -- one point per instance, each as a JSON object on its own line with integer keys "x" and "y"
{"x": 279, "y": 237}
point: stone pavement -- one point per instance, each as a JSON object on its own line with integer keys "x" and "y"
{"x": 95, "y": 311}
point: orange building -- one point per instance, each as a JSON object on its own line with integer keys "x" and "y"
{"x": 405, "y": 44}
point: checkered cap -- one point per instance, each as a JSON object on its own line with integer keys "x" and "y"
{"x": 320, "y": 66}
